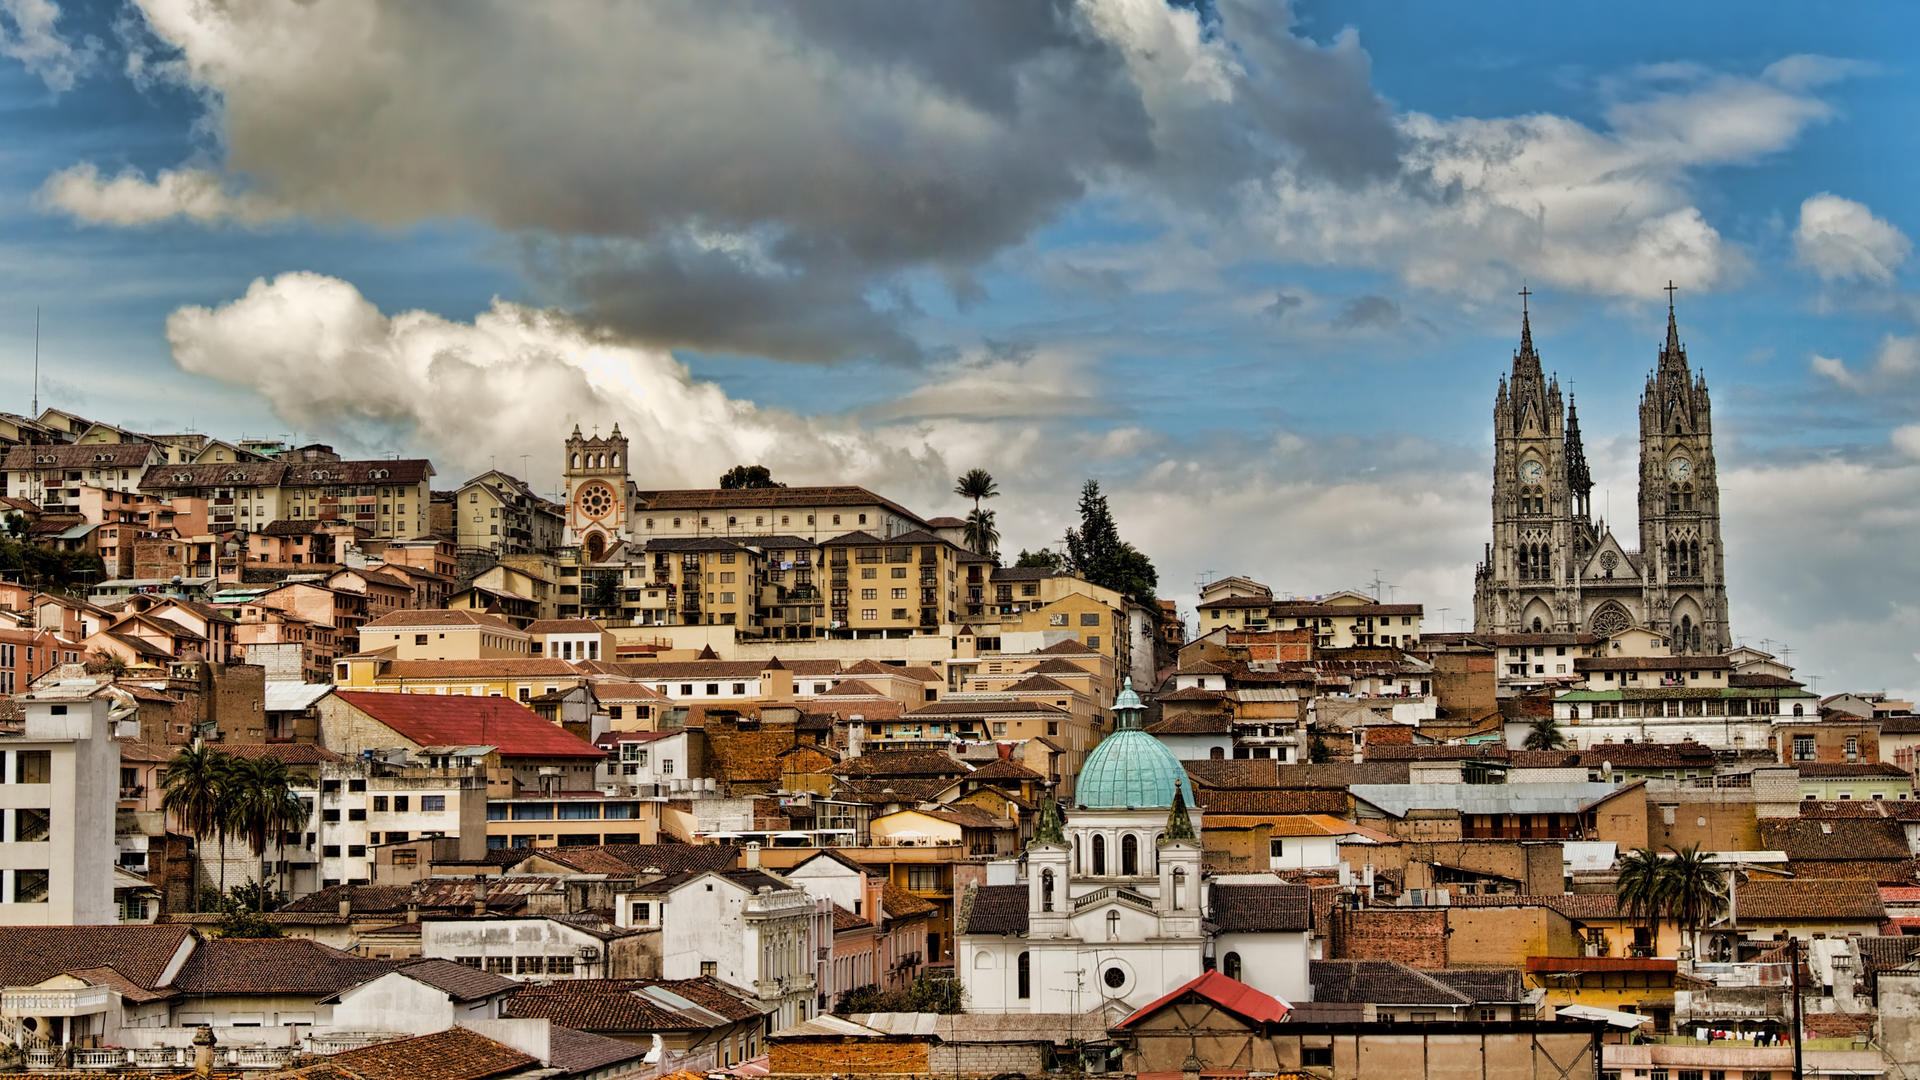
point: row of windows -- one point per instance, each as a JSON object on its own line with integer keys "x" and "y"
{"x": 519, "y": 965}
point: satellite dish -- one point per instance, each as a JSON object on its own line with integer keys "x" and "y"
{"x": 176, "y": 579}
{"x": 1606, "y": 771}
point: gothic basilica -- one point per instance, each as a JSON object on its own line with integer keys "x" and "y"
{"x": 1552, "y": 566}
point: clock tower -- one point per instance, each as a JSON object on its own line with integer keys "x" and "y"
{"x": 1680, "y": 504}
{"x": 597, "y": 495}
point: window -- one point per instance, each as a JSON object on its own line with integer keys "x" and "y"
{"x": 1803, "y": 748}
{"x": 1276, "y": 847}
{"x": 869, "y": 614}
{"x": 640, "y": 913}
{"x": 419, "y": 639}
{"x": 1089, "y": 618}
{"x": 1115, "y": 977}
{"x": 1230, "y": 965}
{"x": 1321, "y": 1056}
{"x": 529, "y": 965}
{"x": 1129, "y": 855}
{"x": 1093, "y": 641}
{"x": 32, "y": 766}
{"x": 868, "y": 573}
{"x": 29, "y": 886}
{"x": 899, "y": 594}
{"x": 31, "y": 825}
{"x": 379, "y": 804}
{"x": 709, "y": 969}
{"x": 713, "y": 688}
{"x": 559, "y": 965}
{"x": 1099, "y": 856}
{"x": 869, "y": 594}
{"x": 500, "y": 965}
{"x": 1025, "y": 978}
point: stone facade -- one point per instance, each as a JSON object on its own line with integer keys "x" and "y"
{"x": 1552, "y": 566}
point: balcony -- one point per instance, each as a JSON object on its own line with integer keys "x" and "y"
{"x": 42, "y": 1001}
{"x": 136, "y": 791}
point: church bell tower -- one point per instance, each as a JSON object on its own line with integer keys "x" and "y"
{"x": 597, "y": 496}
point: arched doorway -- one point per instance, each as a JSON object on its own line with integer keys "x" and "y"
{"x": 596, "y": 547}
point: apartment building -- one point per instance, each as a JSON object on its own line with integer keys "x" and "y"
{"x": 445, "y": 634}
{"x": 1341, "y": 620}
{"x": 53, "y": 476}
{"x": 498, "y": 512}
{"x": 59, "y": 787}
{"x": 385, "y": 498}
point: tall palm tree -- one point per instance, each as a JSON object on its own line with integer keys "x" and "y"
{"x": 229, "y": 782}
{"x": 1545, "y": 734}
{"x": 265, "y": 807}
{"x": 192, "y": 796}
{"x": 982, "y": 536}
{"x": 976, "y": 484}
{"x": 1640, "y": 888}
{"x": 1696, "y": 891}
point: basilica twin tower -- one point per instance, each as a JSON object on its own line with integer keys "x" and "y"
{"x": 1552, "y": 566}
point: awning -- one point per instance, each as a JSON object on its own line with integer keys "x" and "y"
{"x": 1611, "y": 1017}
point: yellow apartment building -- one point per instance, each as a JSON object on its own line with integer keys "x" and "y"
{"x": 895, "y": 587}
{"x": 445, "y": 634}
{"x": 520, "y": 679}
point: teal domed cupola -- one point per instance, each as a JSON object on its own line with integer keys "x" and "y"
{"x": 1130, "y": 769}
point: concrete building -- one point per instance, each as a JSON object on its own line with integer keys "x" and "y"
{"x": 59, "y": 789}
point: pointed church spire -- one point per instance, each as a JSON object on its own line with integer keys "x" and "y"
{"x": 1526, "y": 320}
{"x": 1049, "y": 827}
{"x": 1526, "y": 362}
{"x": 1179, "y": 825}
{"x": 1671, "y": 355}
{"x": 1579, "y": 477}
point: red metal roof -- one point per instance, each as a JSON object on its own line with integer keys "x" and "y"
{"x": 453, "y": 720}
{"x": 1230, "y": 994}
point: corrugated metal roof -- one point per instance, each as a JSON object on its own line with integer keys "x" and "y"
{"x": 285, "y": 695}
{"x": 1400, "y": 799}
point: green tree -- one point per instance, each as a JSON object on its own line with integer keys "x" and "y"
{"x": 265, "y": 808}
{"x": 192, "y": 795}
{"x": 1640, "y": 888}
{"x": 982, "y": 536}
{"x": 1097, "y": 553}
{"x": 102, "y": 662}
{"x": 748, "y": 476}
{"x": 1696, "y": 892}
{"x": 241, "y": 923}
{"x": 976, "y": 484}
{"x": 606, "y": 591}
{"x": 1545, "y": 734}
{"x": 1045, "y": 558}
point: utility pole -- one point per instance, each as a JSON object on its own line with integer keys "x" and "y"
{"x": 1793, "y": 954}
{"x": 36, "y": 361}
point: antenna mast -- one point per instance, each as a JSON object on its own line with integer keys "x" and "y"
{"x": 36, "y": 361}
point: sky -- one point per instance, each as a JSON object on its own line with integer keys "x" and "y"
{"x": 1252, "y": 266}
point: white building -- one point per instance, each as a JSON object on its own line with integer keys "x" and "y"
{"x": 1111, "y": 907}
{"x": 745, "y": 927}
{"x": 59, "y": 782}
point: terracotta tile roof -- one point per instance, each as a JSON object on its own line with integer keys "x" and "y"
{"x": 438, "y": 617}
{"x": 626, "y": 691}
{"x": 1836, "y": 770}
{"x": 847, "y": 920}
{"x": 1069, "y": 647}
{"x": 290, "y": 753}
{"x": 368, "y": 899}
{"x": 564, "y": 626}
{"x": 1038, "y": 684}
{"x": 627, "y": 859}
{"x": 1379, "y": 982}
{"x": 1057, "y": 666}
{"x": 461, "y": 982}
{"x": 454, "y": 1054}
{"x": 32, "y": 954}
{"x": 986, "y": 708}
{"x": 1261, "y": 908}
{"x": 1485, "y": 984}
{"x": 1897, "y": 809}
{"x": 968, "y": 816}
{"x": 622, "y": 1005}
{"x": 898, "y": 903}
{"x": 1277, "y": 801}
{"x": 1208, "y": 723}
{"x": 1809, "y": 900}
{"x": 450, "y": 720}
{"x": 383, "y": 471}
{"x": 127, "y": 455}
{"x": 1004, "y": 769}
{"x": 1578, "y": 906}
{"x": 890, "y": 789}
{"x": 994, "y": 909}
{"x": 528, "y": 667}
{"x": 852, "y": 688}
{"x": 1835, "y": 839}
{"x": 273, "y": 966}
{"x": 574, "y": 1052}
{"x": 927, "y": 764}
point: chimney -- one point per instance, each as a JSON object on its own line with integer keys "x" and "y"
{"x": 479, "y": 895}
{"x": 1006, "y": 750}
{"x": 413, "y": 903}
{"x": 752, "y": 858}
{"x": 203, "y": 1051}
{"x": 346, "y": 901}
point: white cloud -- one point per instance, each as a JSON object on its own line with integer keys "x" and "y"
{"x": 1607, "y": 211}
{"x": 28, "y": 34}
{"x": 1906, "y": 439}
{"x": 1832, "y": 367}
{"x": 198, "y": 195}
{"x": 1807, "y": 70}
{"x": 1895, "y": 361}
{"x": 1842, "y": 240}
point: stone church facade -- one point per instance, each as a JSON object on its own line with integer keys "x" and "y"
{"x": 1553, "y": 567}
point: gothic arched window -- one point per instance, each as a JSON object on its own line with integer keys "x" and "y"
{"x": 1129, "y": 855}
{"x": 1099, "y": 856}
{"x": 1179, "y": 888}
{"x": 1686, "y": 632}
{"x": 1046, "y": 890}
{"x": 1686, "y": 496}
{"x": 1537, "y": 625}
{"x": 1230, "y": 965}
{"x": 1024, "y": 966}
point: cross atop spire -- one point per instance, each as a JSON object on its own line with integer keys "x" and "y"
{"x": 1673, "y": 328}
{"x": 1526, "y": 323}
{"x": 1671, "y": 289}
{"x": 1526, "y": 292}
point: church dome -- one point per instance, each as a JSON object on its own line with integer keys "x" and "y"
{"x": 1130, "y": 768}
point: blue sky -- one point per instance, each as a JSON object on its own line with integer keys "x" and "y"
{"x": 1253, "y": 267}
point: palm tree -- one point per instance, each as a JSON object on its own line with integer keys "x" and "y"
{"x": 1545, "y": 734}
{"x": 976, "y": 484}
{"x": 1640, "y": 888}
{"x": 1696, "y": 892}
{"x": 230, "y": 782}
{"x": 192, "y": 795}
{"x": 265, "y": 808}
{"x": 981, "y": 535}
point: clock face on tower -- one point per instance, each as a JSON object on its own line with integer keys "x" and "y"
{"x": 1680, "y": 469}
{"x": 595, "y": 500}
{"x": 1531, "y": 471}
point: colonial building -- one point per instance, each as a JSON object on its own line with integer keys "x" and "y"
{"x": 1554, "y": 567}
{"x": 1114, "y": 908}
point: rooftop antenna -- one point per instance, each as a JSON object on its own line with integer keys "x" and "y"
{"x": 36, "y": 361}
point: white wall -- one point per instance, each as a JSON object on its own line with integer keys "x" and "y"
{"x": 79, "y": 800}
{"x": 396, "y": 1003}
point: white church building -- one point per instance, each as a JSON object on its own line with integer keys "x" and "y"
{"x": 1109, "y": 905}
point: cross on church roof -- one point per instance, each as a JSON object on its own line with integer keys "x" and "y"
{"x": 1671, "y": 289}
{"x": 1524, "y": 293}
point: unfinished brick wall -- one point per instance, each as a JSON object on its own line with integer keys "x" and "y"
{"x": 1416, "y": 937}
{"x": 847, "y": 1057}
